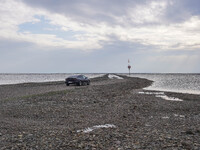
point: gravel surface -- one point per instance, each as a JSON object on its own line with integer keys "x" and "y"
{"x": 108, "y": 114}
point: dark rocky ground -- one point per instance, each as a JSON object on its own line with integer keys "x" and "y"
{"x": 48, "y": 116}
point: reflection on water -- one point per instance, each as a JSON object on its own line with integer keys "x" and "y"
{"x": 183, "y": 83}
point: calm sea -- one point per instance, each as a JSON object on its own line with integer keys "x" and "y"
{"x": 182, "y": 83}
{"x": 27, "y": 78}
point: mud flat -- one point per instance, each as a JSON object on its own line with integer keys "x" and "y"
{"x": 111, "y": 113}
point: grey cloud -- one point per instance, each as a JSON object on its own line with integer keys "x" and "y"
{"x": 93, "y": 11}
{"x": 177, "y": 12}
{"x": 24, "y": 57}
{"x": 192, "y": 6}
{"x": 88, "y": 11}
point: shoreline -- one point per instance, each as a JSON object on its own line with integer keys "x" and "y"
{"x": 33, "y": 84}
{"x": 103, "y": 74}
{"x": 108, "y": 114}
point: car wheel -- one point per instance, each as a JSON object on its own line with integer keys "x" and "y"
{"x": 67, "y": 84}
{"x": 80, "y": 83}
{"x": 88, "y": 83}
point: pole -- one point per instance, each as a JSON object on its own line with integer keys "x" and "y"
{"x": 129, "y": 67}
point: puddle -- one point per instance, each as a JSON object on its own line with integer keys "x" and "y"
{"x": 162, "y": 95}
{"x": 181, "y": 116}
{"x": 165, "y": 97}
{"x": 166, "y": 117}
{"x": 152, "y": 93}
{"x": 90, "y": 129}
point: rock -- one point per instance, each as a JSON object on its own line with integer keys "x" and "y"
{"x": 118, "y": 142}
{"x": 189, "y": 132}
{"x": 197, "y": 131}
{"x": 186, "y": 145}
{"x": 87, "y": 148}
{"x": 136, "y": 146}
{"x": 29, "y": 135}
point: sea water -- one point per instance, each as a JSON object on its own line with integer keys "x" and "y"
{"x": 28, "y": 78}
{"x": 181, "y": 83}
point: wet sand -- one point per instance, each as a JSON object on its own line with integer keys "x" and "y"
{"x": 108, "y": 114}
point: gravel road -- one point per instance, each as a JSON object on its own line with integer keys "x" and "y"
{"x": 108, "y": 114}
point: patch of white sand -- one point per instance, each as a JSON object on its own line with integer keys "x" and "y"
{"x": 112, "y": 76}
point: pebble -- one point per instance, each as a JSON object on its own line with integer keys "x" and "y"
{"x": 189, "y": 132}
{"x": 118, "y": 142}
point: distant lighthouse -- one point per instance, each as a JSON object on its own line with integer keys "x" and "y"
{"x": 129, "y": 67}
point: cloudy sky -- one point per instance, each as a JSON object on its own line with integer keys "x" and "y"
{"x": 70, "y": 36}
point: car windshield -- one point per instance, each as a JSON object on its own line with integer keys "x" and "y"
{"x": 80, "y": 77}
{"x": 73, "y": 76}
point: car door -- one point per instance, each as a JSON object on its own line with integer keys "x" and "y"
{"x": 84, "y": 79}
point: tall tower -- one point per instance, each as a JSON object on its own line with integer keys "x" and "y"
{"x": 129, "y": 67}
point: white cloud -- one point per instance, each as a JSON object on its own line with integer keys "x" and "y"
{"x": 92, "y": 35}
{"x": 149, "y": 13}
{"x": 14, "y": 13}
{"x": 165, "y": 37}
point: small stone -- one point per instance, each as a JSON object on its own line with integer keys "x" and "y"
{"x": 198, "y": 131}
{"x": 189, "y": 132}
{"x": 29, "y": 135}
{"x": 186, "y": 145}
{"x": 147, "y": 125}
{"x": 118, "y": 142}
{"x": 136, "y": 146}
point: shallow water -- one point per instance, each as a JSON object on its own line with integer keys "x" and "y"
{"x": 162, "y": 95}
{"x": 182, "y": 83}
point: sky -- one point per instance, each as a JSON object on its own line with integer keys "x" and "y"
{"x": 99, "y": 36}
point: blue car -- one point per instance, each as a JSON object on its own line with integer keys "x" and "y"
{"x": 77, "y": 80}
